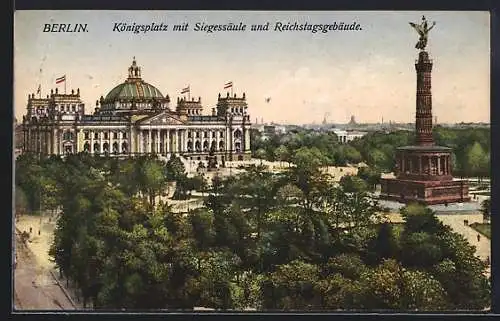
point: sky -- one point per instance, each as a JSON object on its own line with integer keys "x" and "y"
{"x": 368, "y": 73}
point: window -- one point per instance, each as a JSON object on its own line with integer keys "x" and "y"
{"x": 106, "y": 136}
{"x": 221, "y": 135}
{"x": 205, "y": 134}
{"x": 87, "y": 136}
{"x": 124, "y": 135}
{"x": 190, "y": 134}
{"x": 96, "y": 135}
{"x": 115, "y": 135}
{"x": 73, "y": 107}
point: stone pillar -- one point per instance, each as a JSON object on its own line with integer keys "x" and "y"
{"x": 120, "y": 138}
{"x": 60, "y": 136}
{"x": 101, "y": 143}
{"x": 167, "y": 135}
{"x": 185, "y": 138}
{"x": 149, "y": 141}
{"x": 247, "y": 140}
{"x": 420, "y": 164}
{"x": 111, "y": 133}
{"x": 430, "y": 164}
{"x": 438, "y": 165}
{"x": 139, "y": 141}
{"x": 178, "y": 140}
{"x": 410, "y": 159}
{"x": 158, "y": 151}
{"x": 77, "y": 140}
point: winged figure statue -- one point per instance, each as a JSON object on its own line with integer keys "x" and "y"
{"x": 423, "y": 30}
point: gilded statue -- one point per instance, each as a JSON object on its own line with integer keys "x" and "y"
{"x": 423, "y": 30}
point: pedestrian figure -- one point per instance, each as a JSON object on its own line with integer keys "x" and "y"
{"x": 465, "y": 222}
{"x": 478, "y": 237}
{"x": 31, "y": 229}
{"x": 38, "y": 232}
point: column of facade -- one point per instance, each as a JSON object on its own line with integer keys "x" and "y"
{"x": 226, "y": 140}
{"x": 185, "y": 136}
{"x": 420, "y": 164}
{"x": 180, "y": 145}
{"x": 429, "y": 158}
{"x": 91, "y": 142}
{"x": 167, "y": 141}
{"x": 120, "y": 142}
{"x": 179, "y": 140}
{"x": 448, "y": 165}
{"x": 247, "y": 139}
{"x": 53, "y": 142}
{"x": 60, "y": 136}
{"x": 139, "y": 141}
{"x": 439, "y": 165}
{"x": 77, "y": 131}
{"x": 149, "y": 141}
{"x": 101, "y": 142}
{"x": 158, "y": 151}
{"x": 111, "y": 133}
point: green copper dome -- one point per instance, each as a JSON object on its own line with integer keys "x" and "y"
{"x": 134, "y": 87}
{"x": 133, "y": 90}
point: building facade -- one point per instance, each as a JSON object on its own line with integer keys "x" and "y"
{"x": 345, "y": 136}
{"x": 135, "y": 118}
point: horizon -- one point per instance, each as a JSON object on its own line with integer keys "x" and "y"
{"x": 307, "y": 76}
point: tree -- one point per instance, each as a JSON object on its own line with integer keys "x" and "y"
{"x": 476, "y": 160}
{"x": 370, "y": 175}
{"x": 293, "y": 287}
{"x": 282, "y": 153}
{"x": 384, "y": 246}
{"x": 486, "y": 209}
{"x": 261, "y": 154}
{"x": 352, "y": 184}
{"x": 175, "y": 168}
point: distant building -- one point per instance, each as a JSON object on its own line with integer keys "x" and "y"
{"x": 270, "y": 130}
{"x": 345, "y": 136}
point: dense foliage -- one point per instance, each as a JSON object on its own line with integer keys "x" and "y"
{"x": 471, "y": 148}
{"x": 267, "y": 241}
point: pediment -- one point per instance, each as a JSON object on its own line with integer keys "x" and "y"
{"x": 161, "y": 119}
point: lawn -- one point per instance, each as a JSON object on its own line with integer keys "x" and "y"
{"x": 484, "y": 229}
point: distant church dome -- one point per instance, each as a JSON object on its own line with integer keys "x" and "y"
{"x": 134, "y": 88}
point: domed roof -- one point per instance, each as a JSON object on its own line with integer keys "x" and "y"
{"x": 134, "y": 87}
{"x": 130, "y": 90}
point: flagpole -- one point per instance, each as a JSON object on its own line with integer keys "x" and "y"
{"x": 189, "y": 92}
{"x": 231, "y": 90}
{"x": 65, "y": 84}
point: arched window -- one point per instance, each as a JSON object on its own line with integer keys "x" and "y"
{"x": 115, "y": 147}
{"x": 124, "y": 148}
{"x": 237, "y": 133}
{"x": 86, "y": 147}
{"x": 190, "y": 146}
{"x": 97, "y": 148}
{"x": 197, "y": 146}
{"x": 105, "y": 147}
{"x": 205, "y": 146}
{"x": 221, "y": 145}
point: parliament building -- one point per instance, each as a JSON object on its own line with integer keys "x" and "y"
{"x": 135, "y": 118}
